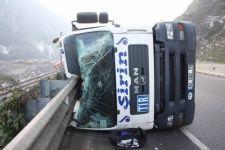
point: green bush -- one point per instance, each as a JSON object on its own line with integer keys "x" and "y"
{"x": 12, "y": 119}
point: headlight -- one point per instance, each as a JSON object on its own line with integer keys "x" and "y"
{"x": 170, "y": 121}
{"x": 190, "y": 96}
{"x": 169, "y": 31}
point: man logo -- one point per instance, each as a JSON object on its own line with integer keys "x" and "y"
{"x": 136, "y": 89}
{"x": 135, "y": 71}
{"x": 136, "y": 80}
{"x": 143, "y": 80}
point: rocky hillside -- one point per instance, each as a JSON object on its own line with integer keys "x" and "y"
{"x": 27, "y": 29}
{"x": 209, "y": 17}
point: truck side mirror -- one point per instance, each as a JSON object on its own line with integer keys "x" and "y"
{"x": 55, "y": 40}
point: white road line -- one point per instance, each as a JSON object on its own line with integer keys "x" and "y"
{"x": 194, "y": 139}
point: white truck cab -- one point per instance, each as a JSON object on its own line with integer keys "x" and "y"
{"x": 132, "y": 76}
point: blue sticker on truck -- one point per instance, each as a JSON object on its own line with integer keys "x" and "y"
{"x": 143, "y": 103}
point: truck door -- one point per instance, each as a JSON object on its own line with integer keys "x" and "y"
{"x": 134, "y": 67}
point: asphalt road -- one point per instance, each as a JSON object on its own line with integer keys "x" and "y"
{"x": 208, "y": 126}
{"x": 209, "y": 121}
{"x": 156, "y": 140}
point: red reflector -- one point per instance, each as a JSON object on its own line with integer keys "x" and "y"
{"x": 180, "y": 27}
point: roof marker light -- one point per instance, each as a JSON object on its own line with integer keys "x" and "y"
{"x": 180, "y": 27}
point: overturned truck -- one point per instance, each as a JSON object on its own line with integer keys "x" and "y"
{"x": 132, "y": 77}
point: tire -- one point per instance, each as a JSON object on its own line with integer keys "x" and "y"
{"x": 87, "y": 17}
{"x": 103, "y": 17}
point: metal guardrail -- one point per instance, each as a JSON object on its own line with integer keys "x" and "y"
{"x": 32, "y": 80}
{"x": 26, "y": 83}
{"x": 46, "y": 130}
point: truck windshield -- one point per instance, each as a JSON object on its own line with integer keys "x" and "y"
{"x": 97, "y": 107}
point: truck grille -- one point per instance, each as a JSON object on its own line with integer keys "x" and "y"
{"x": 139, "y": 73}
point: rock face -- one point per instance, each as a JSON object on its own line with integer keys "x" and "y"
{"x": 27, "y": 29}
{"x": 209, "y": 17}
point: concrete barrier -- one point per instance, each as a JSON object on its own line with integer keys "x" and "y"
{"x": 211, "y": 68}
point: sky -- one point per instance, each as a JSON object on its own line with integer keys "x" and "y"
{"x": 124, "y": 12}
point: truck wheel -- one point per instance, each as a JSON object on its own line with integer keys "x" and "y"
{"x": 103, "y": 17}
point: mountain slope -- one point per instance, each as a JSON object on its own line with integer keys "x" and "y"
{"x": 27, "y": 29}
{"x": 209, "y": 18}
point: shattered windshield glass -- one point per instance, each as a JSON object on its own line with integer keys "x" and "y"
{"x": 96, "y": 61}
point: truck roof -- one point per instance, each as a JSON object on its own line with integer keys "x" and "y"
{"x": 113, "y": 29}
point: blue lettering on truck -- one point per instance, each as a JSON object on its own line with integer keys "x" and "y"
{"x": 142, "y": 103}
{"x": 122, "y": 83}
{"x": 122, "y": 70}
